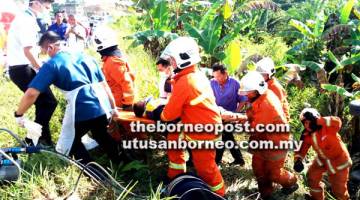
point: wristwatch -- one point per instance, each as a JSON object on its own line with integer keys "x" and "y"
{"x": 17, "y": 115}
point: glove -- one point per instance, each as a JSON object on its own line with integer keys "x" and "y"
{"x": 20, "y": 120}
{"x": 167, "y": 86}
{"x": 298, "y": 166}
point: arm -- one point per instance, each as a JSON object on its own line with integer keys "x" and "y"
{"x": 305, "y": 146}
{"x": 174, "y": 107}
{"x": 109, "y": 94}
{"x": 119, "y": 73}
{"x": 29, "y": 55}
{"x": 332, "y": 123}
{"x": 27, "y": 100}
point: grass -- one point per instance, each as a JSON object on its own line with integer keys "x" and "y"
{"x": 51, "y": 178}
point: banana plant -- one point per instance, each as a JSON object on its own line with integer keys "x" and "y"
{"x": 344, "y": 66}
{"x": 158, "y": 27}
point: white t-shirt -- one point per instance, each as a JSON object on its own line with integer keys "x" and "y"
{"x": 24, "y": 32}
{"x": 162, "y": 93}
{"x": 76, "y": 43}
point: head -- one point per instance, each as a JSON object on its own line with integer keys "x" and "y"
{"x": 163, "y": 65}
{"x": 181, "y": 53}
{"x": 40, "y": 6}
{"x": 50, "y": 43}
{"x": 252, "y": 85}
{"x": 59, "y": 17}
{"x": 72, "y": 20}
{"x": 309, "y": 125}
{"x": 266, "y": 67}
{"x": 139, "y": 108}
{"x": 220, "y": 73}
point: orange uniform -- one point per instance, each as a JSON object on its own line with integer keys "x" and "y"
{"x": 120, "y": 79}
{"x": 277, "y": 88}
{"x": 268, "y": 164}
{"x": 332, "y": 157}
{"x": 193, "y": 101}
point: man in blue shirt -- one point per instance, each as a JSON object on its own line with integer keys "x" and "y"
{"x": 59, "y": 27}
{"x": 76, "y": 75}
{"x": 225, "y": 89}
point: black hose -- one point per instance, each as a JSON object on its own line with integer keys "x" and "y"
{"x": 90, "y": 171}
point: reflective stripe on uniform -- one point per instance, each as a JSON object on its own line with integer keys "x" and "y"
{"x": 315, "y": 190}
{"x": 327, "y": 121}
{"x": 331, "y": 168}
{"x": 177, "y": 166}
{"x": 319, "y": 161}
{"x": 188, "y": 138}
{"x": 345, "y": 165}
{"x": 162, "y": 117}
{"x": 217, "y": 187}
{"x": 317, "y": 146}
{"x": 198, "y": 99}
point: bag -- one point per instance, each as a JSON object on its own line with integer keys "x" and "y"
{"x": 189, "y": 187}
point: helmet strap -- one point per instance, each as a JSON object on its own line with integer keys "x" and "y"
{"x": 111, "y": 51}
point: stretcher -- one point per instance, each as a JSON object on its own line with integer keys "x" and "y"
{"x": 120, "y": 130}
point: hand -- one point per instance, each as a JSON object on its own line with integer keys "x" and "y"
{"x": 227, "y": 116}
{"x": 115, "y": 113}
{"x": 241, "y": 117}
{"x": 20, "y": 120}
{"x": 298, "y": 166}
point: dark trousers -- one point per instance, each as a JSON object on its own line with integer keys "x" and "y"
{"x": 236, "y": 153}
{"x": 98, "y": 128}
{"x": 45, "y": 104}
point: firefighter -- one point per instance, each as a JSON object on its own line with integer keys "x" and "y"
{"x": 266, "y": 67}
{"x": 332, "y": 156}
{"x": 193, "y": 101}
{"x": 116, "y": 70}
{"x": 267, "y": 164}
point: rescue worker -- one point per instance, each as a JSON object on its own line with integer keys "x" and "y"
{"x": 115, "y": 68}
{"x": 267, "y": 164}
{"x": 88, "y": 95}
{"x": 266, "y": 67}
{"x": 193, "y": 101}
{"x": 321, "y": 133}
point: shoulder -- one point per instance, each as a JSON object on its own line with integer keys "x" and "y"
{"x": 234, "y": 82}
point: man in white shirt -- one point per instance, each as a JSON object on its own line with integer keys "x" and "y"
{"x": 22, "y": 58}
{"x": 75, "y": 34}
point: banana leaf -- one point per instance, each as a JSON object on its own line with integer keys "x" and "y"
{"x": 346, "y": 11}
{"x": 302, "y": 28}
{"x": 313, "y": 65}
{"x": 339, "y": 90}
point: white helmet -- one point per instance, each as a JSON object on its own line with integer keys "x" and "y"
{"x": 252, "y": 81}
{"x": 266, "y": 66}
{"x": 184, "y": 50}
{"x": 313, "y": 111}
{"x": 104, "y": 37}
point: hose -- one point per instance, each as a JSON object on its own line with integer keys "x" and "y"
{"x": 90, "y": 171}
{"x": 14, "y": 162}
{"x": 14, "y": 136}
